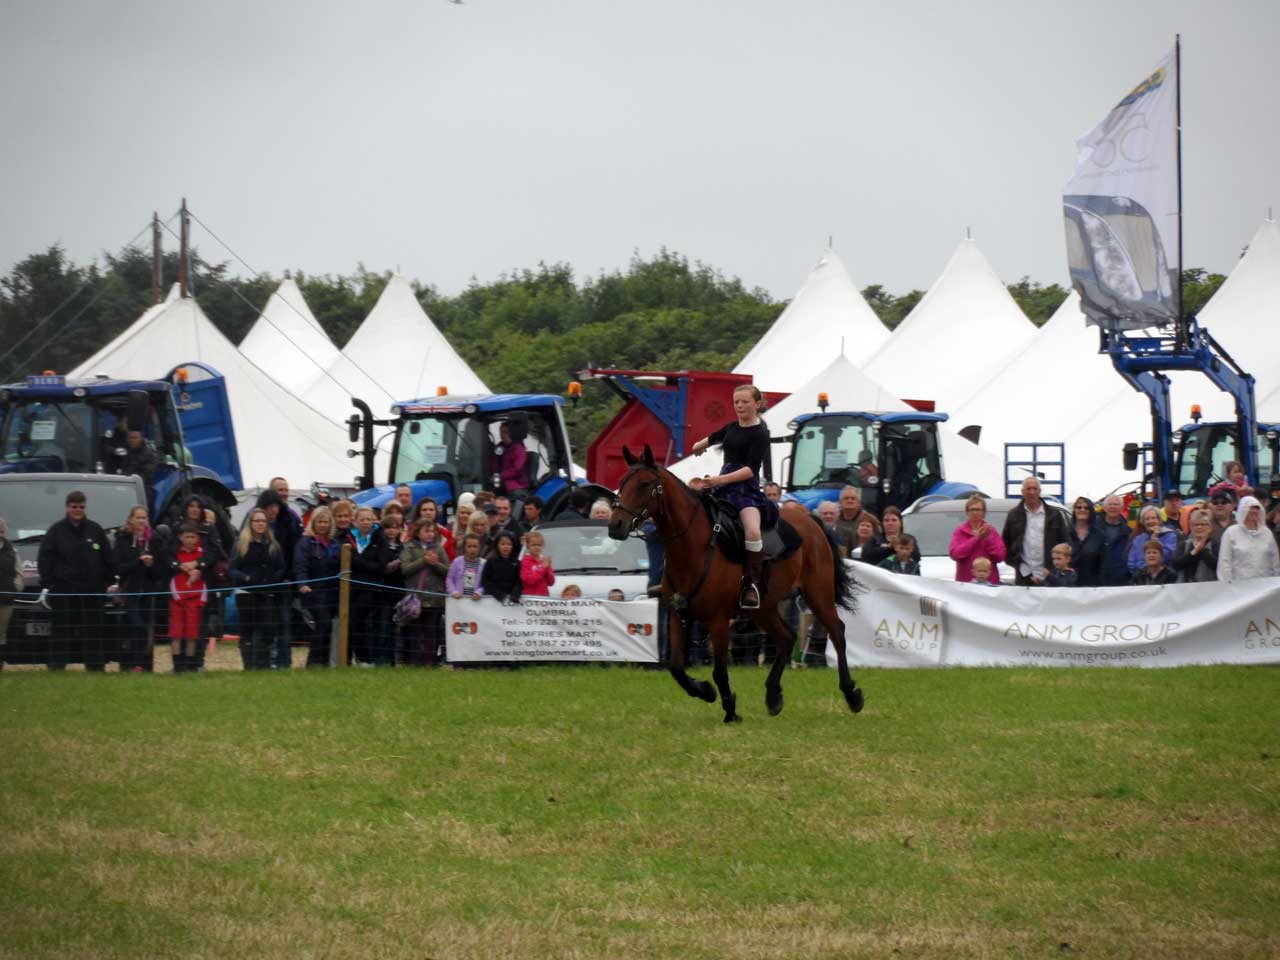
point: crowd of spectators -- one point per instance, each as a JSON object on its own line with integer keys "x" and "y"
{"x": 1231, "y": 536}
{"x": 283, "y": 568}
{"x": 171, "y": 579}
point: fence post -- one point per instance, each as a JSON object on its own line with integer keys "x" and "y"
{"x": 344, "y": 605}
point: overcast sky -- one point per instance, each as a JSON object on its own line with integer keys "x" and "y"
{"x": 454, "y": 141}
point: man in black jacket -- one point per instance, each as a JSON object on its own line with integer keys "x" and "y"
{"x": 286, "y": 527}
{"x": 139, "y": 458}
{"x": 1031, "y": 531}
{"x": 1115, "y": 542}
{"x": 76, "y": 566}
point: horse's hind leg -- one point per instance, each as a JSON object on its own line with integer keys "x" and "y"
{"x": 719, "y": 636}
{"x": 830, "y": 618}
{"x": 694, "y": 688}
{"x": 771, "y": 622}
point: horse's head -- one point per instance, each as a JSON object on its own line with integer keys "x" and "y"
{"x": 638, "y": 495}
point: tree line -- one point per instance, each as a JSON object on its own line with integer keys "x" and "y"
{"x": 529, "y": 330}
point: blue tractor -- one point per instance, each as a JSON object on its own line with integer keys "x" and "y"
{"x": 893, "y": 458}
{"x": 1191, "y": 459}
{"x": 1119, "y": 268}
{"x": 447, "y": 445}
{"x": 52, "y": 424}
{"x": 1201, "y": 448}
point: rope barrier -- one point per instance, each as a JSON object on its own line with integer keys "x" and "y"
{"x": 26, "y": 596}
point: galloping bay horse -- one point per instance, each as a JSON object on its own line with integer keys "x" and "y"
{"x": 699, "y": 576}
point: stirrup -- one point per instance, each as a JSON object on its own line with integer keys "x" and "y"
{"x": 749, "y": 599}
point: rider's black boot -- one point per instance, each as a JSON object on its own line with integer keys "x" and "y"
{"x": 753, "y": 575}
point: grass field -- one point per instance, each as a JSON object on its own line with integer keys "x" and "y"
{"x": 591, "y": 812}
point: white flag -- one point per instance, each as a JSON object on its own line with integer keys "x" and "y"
{"x": 1121, "y": 209}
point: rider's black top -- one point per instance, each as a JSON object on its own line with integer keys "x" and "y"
{"x": 744, "y": 446}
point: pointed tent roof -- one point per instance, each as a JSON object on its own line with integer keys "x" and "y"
{"x": 959, "y": 336}
{"x": 1065, "y": 343}
{"x": 848, "y": 388}
{"x": 1103, "y": 413}
{"x": 1241, "y": 316}
{"x": 288, "y": 340}
{"x": 90, "y": 367}
{"x": 428, "y": 359}
{"x": 1244, "y": 307}
{"x": 276, "y": 433}
{"x": 827, "y": 310}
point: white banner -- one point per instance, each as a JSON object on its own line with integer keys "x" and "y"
{"x": 905, "y": 621}
{"x": 1121, "y": 209}
{"x": 541, "y": 628}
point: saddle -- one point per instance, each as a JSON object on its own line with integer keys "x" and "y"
{"x": 780, "y": 540}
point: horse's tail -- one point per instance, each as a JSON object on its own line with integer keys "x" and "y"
{"x": 847, "y": 586}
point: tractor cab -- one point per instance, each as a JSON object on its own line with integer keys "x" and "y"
{"x": 1202, "y": 449}
{"x": 448, "y": 445}
{"x": 892, "y": 458}
{"x": 51, "y": 424}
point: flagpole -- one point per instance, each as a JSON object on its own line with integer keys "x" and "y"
{"x": 1177, "y": 66}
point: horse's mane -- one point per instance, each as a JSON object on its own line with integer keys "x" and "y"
{"x": 688, "y": 491}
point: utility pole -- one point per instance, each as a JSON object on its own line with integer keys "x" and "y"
{"x": 156, "y": 278}
{"x": 184, "y": 235}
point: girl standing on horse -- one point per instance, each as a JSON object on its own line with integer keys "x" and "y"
{"x": 746, "y": 451}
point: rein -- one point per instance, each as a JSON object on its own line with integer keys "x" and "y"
{"x": 639, "y": 516}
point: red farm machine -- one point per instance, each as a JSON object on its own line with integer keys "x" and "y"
{"x": 668, "y": 410}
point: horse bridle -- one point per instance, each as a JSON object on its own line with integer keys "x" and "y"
{"x": 638, "y": 517}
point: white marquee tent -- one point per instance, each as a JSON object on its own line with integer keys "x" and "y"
{"x": 1005, "y": 407}
{"x": 1242, "y": 316}
{"x": 848, "y": 388}
{"x": 1106, "y": 417}
{"x": 396, "y": 354}
{"x": 276, "y": 433}
{"x": 1058, "y": 387}
{"x": 331, "y": 391}
{"x": 288, "y": 340}
{"x": 400, "y": 348}
{"x": 827, "y": 316}
{"x": 959, "y": 336}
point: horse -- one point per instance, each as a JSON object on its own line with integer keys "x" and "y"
{"x": 699, "y": 576}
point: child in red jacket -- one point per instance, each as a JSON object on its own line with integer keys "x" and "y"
{"x": 187, "y": 597}
{"x": 536, "y": 575}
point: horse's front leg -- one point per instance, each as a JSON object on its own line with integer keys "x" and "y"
{"x": 719, "y": 637}
{"x": 694, "y": 688}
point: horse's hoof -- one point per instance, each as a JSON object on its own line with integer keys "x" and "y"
{"x": 774, "y": 703}
{"x": 708, "y": 692}
{"x": 732, "y": 718}
{"x": 855, "y": 699}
